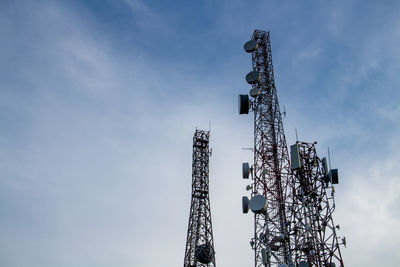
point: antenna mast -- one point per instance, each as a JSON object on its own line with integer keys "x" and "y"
{"x": 199, "y": 244}
{"x": 280, "y": 211}
{"x": 271, "y": 169}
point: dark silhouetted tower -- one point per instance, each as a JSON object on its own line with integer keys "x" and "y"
{"x": 199, "y": 244}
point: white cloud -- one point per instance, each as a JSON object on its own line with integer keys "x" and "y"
{"x": 368, "y": 211}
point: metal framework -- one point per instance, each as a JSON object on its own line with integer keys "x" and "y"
{"x": 291, "y": 229}
{"x": 313, "y": 228}
{"x": 199, "y": 244}
{"x": 271, "y": 169}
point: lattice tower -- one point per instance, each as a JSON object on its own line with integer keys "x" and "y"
{"x": 312, "y": 226}
{"x": 199, "y": 244}
{"x": 272, "y": 178}
{"x": 285, "y": 231}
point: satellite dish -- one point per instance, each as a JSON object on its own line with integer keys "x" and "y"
{"x": 245, "y": 204}
{"x": 244, "y": 104}
{"x": 204, "y": 254}
{"x": 248, "y": 187}
{"x": 255, "y": 92}
{"x": 250, "y": 46}
{"x": 258, "y": 204}
{"x": 245, "y": 170}
{"x": 253, "y": 76}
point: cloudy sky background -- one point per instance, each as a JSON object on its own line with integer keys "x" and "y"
{"x": 99, "y": 101}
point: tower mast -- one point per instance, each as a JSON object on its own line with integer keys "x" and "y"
{"x": 315, "y": 234}
{"x": 200, "y": 244}
{"x": 271, "y": 168}
{"x": 282, "y": 216}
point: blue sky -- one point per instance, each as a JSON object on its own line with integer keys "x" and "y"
{"x": 99, "y": 101}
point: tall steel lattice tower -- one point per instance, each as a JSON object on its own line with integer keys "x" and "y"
{"x": 199, "y": 244}
{"x": 282, "y": 218}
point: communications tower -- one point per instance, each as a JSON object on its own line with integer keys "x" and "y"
{"x": 199, "y": 244}
{"x": 281, "y": 234}
{"x": 315, "y": 240}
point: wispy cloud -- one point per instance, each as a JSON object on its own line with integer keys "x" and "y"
{"x": 139, "y": 7}
{"x": 147, "y": 18}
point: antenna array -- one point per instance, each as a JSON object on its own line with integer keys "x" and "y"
{"x": 293, "y": 223}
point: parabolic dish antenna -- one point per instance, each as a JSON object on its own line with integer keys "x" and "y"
{"x": 250, "y": 46}
{"x": 245, "y": 170}
{"x": 253, "y": 76}
{"x": 204, "y": 254}
{"x": 244, "y": 104}
{"x": 245, "y": 204}
{"x": 258, "y": 204}
{"x": 255, "y": 92}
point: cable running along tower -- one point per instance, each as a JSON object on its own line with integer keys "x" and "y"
{"x": 199, "y": 244}
{"x": 289, "y": 228}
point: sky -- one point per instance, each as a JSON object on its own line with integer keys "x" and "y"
{"x": 99, "y": 101}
